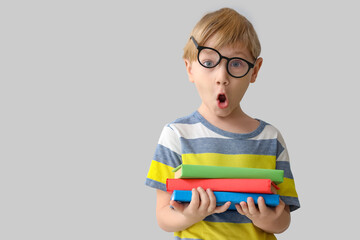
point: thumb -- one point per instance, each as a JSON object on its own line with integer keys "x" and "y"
{"x": 222, "y": 208}
{"x": 279, "y": 208}
{"x": 177, "y": 206}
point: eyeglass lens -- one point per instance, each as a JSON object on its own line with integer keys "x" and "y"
{"x": 210, "y": 58}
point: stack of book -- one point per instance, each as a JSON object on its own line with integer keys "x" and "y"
{"x": 234, "y": 184}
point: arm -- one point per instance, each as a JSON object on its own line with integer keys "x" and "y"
{"x": 203, "y": 204}
{"x": 272, "y": 220}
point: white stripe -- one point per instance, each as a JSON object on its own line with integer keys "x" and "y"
{"x": 194, "y": 131}
{"x": 169, "y": 139}
{"x": 170, "y": 136}
{"x": 269, "y": 132}
{"x": 284, "y": 156}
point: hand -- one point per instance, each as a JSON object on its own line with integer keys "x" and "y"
{"x": 263, "y": 216}
{"x": 203, "y": 204}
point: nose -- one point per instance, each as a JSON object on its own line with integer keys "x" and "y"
{"x": 222, "y": 77}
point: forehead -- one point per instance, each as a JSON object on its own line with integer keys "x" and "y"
{"x": 238, "y": 49}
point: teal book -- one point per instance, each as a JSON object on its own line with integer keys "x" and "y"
{"x": 271, "y": 200}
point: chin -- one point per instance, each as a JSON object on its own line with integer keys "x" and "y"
{"x": 222, "y": 113}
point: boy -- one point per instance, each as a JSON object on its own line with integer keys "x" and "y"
{"x": 221, "y": 59}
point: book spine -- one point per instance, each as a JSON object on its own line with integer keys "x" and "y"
{"x": 271, "y": 200}
{"x": 225, "y": 185}
{"x": 202, "y": 171}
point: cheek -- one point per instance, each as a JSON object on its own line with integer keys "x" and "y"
{"x": 203, "y": 85}
{"x": 239, "y": 91}
{"x": 204, "y": 90}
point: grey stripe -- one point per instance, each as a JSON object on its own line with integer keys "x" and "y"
{"x": 166, "y": 156}
{"x": 282, "y": 165}
{"x": 155, "y": 184}
{"x": 177, "y": 238}
{"x": 293, "y": 202}
{"x": 229, "y": 217}
{"x": 229, "y": 146}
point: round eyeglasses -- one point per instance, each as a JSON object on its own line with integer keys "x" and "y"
{"x": 210, "y": 58}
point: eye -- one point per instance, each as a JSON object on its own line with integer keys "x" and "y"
{"x": 208, "y": 57}
{"x": 208, "y": 63}
{"x": 236, "y": 63}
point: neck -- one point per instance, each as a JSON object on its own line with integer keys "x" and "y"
{"x": 237, "y": 121}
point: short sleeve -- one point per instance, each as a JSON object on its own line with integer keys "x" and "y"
{"x": 167, "y": 157}
{"x": 287, "y": 190}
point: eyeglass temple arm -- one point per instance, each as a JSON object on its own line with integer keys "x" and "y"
{"x": 193, "y": 39}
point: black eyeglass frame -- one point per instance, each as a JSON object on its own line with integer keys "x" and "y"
{"x": 199, "y": 48}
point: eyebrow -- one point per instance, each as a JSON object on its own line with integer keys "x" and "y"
{"x": 237, "y": 53}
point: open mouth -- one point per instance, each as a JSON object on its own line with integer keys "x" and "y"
{"x": 222, "y": 101}
{"x": 221, "y": 98}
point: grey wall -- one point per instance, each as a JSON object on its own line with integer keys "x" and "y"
{"x": 86, "y": 87}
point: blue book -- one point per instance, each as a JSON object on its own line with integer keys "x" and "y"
{"x": 271, "y": 200}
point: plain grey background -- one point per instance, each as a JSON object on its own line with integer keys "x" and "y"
{"x": 86, "y": 87}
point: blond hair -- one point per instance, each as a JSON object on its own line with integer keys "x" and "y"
{"x": 229, "y": 28}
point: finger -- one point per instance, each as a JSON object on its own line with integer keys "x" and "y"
{"x": 244, "y": 208}
{"x": 212, "y": 199}
{"x": 204, "y": 199}
{"x": 262, "y": 205}
{"x": 195, "y": 200}
{"x": 251, "y": 206}
{"x": 279, "y": 208}
{"x": 239, "y": 209}
{"x": 222, "y": 208}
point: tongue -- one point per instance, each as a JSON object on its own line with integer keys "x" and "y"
{"x": 223, "y": 105}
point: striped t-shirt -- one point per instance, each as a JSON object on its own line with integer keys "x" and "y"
{"x": 193, "y": 140}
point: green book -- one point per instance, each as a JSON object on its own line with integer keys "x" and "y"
{"x": 203, "y": 171}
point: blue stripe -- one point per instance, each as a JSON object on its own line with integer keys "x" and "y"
{"x": 166, "y": 156}
{"x": 229, "y": 217}
{"x": 293, "y": 202}
{"x": 190, "y": 119}
{"x": 178, "y": 238}
{"x": 229, "y": 146}
{"x": 155, "y": 184}
{"x": 282, "y": 165}
{"x": 280, "y": 149}
{"x": 257, "y": 131}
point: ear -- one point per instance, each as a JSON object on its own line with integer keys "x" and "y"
{"x": 257, "y": 67}
{"x": 188, "y": 66}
